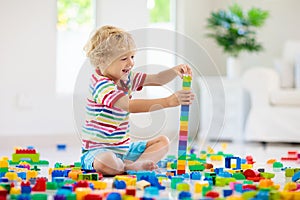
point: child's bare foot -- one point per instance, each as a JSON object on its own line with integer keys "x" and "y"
{"x": 141, "y": 165}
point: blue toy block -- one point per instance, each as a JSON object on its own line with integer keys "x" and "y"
{"x": 114, "y": 196}
{"x": 151, "y": 191}
{"x": 227, "y": 192}
{"x": 22, "y": 175}
{"x": 140, "y": 174}
{"x": 228, "y": 162}
{"x": 61, "y": 147}
{"x": 58, "y": 179}
{"x": 184, "y": 195}
{"x": 24, "y": 197}
{"x": 119, "y": 184}
{"x": 4, "y": 180}
{"x": 263, "y": 195}
{"x": 296, "y": 176}
{"x": 225, "y": 174}
{"x": 57, "y": 173}
{"x": 195, "y": 176}
{"x": 67, "y": 187}
{"x": 25, "y": 189}
{"x": 186, "y": 175}
{"x": 238, "y": 187}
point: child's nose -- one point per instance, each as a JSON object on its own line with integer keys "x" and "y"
{"x": 131, "y": 62}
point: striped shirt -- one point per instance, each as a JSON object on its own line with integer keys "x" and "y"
{"x": 105, "y": 125}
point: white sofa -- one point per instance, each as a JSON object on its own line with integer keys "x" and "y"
{"x": 275, "y": 112}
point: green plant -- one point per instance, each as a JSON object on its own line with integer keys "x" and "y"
{"x": 234, "y": 29}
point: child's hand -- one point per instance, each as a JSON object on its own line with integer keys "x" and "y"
{"x": 181, "y": 97}
{"x": 183, "y": 69}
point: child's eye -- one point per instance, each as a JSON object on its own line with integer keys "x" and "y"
{"x": 132, "y": 57}
{"x": 124, "y": 59}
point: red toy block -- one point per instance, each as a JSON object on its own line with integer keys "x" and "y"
{"x": 25, "y": 151}
{"x": 81, "y": 184}
{"x": 249, "y": 187}
{"x": 212, "y": 194}
{"x": 130, "y": 191}
{"x": 25, "y": 183}
{"x": 40, "y": 185}
{"x": 93, "y": 197}
{"x": 250, "y": 173}
{"x": 255, "y": 179}
{"x": 289, "y": 158}
{"x": 249, "y": 160}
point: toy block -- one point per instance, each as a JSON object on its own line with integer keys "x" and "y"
{"x": 93, "y": 196}
{"x": 289, "y": 172}
{"x": 131, "y": 191}
{"x": 175, "y": 180}
{"x": 82, "y": 192}
{"x": 17, "y": 157}
{"x": 84, "y": 177}
{"x": 40, "y": 185}
{"x": 183, "y": 187}
{"x": 141, "y": 185}
{"x": 99, "y": 185}
{"x": 31, "y": 174}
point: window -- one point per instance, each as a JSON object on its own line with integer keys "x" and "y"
{"x": 75, "y": 21}
{"x": 161, "y": 15}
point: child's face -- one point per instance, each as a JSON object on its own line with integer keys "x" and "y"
{"x": 120, "y": 68}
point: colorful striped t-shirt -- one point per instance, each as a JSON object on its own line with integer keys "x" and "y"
{"x": 105, "y": 125}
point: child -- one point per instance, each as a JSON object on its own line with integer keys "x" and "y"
{"x": 106, "y": 143}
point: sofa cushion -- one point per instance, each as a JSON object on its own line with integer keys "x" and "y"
{"x": 285, "y": 98}
{"x": 286, "y": 72}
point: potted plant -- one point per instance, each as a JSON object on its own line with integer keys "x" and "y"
{"x": 234, "y": 31}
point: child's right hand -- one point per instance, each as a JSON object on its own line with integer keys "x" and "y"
{"x": 181, "y": 97}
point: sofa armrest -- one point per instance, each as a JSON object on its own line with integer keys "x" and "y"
{"x": 260, "y": 82}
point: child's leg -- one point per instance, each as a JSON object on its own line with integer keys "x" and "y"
{"x": 155, "y": 151}
{"x": 108, "y": 163}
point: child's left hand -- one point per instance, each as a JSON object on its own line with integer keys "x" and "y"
{"x": 183, "y": 69}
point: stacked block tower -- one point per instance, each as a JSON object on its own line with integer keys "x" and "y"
{"x": 183, "y": 132}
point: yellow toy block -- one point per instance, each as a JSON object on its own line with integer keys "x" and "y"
{"x": 210, "y": 150}
{"x": 82, "y": 192}
{"x": 191, "y": 162}
{"x": 181, "y": 162}
{"x": 99, "y": 185}
{"x": 12, "y": 176}
{"x": 169, "y": 165}
{"x": 246, "y": 166}
{"x": 234, "y": 197}
{"x": 216, "y": 158}
{"x": 286, "y": 195}
{"x": 15, "y": 190}
{"x": 199, "y": 185}
{"x": 184, "y": 123}
{"x": 129, "y": 180}
{"x": 74, "y": 174}
{"x": 181, "y": 167}
{"x": 31, "y": 174}
{"x": 290, "y": 186}
{"x": 3, "y": 163}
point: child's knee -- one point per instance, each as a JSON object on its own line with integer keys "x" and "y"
{"x": 164, "y": 140}
{"x": 107, "y": 162}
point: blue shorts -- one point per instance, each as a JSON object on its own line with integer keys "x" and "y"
{"x": 134, "y": 152}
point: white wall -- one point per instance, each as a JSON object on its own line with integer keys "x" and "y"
{"x": 28, "y": 103}
{"x": 282, "y": 25}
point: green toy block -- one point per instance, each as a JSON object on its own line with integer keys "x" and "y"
{"x": 175, "y": 181}
{"x": 277, "y": 165}
{"x": 198, "y": 167}
{"x": 84, "y": 177}
{"x": 173, "y": 166}
{"x": 39, "y": 196}
{"x": 249, "y": 195}
{"x": 248, "y": 182}
{"x": 239, "y": 176}
{"x": 41, "y": 162}
{"x": 77, "y": 164}
{"x": 19, "y": 157}
{"x": 183, "y": 187}
{"x": 274, "y": 195}
{"x": 51, "y": 186}
{"x": 71, "y": 196}
{"x": 4, "y": 169}
{"x": 206, "y": 189}
{"x": 220, "y": 181}
{"x": 267, "y": 175}
{"x": 210, "y": 174}
{"x": 289, "y": 172}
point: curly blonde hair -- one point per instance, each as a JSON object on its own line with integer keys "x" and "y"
{"x": 106, "y": 44}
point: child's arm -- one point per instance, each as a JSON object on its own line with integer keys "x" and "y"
{"x": 166, "y": 76}
{"x": 181, "y": 97}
